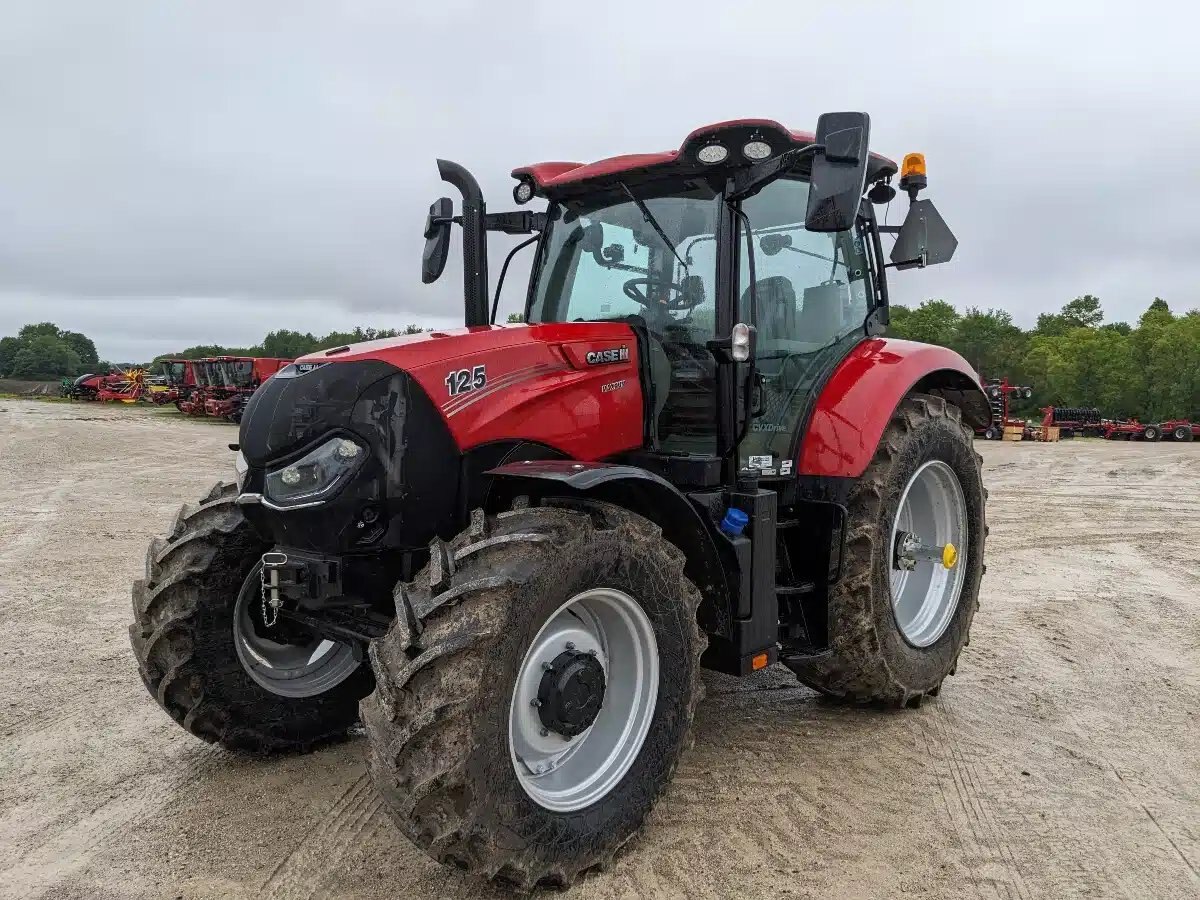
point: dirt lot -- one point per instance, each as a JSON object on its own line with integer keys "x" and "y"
{"x": 1063, "y": 760}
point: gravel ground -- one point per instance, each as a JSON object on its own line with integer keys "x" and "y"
{"x": 1062, "y": 761}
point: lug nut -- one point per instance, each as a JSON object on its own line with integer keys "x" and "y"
{"x": 535, "y": 702}
{"x": 570, "y": 645}
{"x": 543, "y": 732}
{"x": 546, "y": 667}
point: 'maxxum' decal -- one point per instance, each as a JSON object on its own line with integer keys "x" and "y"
{"x": 602, "y": 357}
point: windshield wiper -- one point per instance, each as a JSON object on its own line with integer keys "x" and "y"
{"x": 653, "y": 223}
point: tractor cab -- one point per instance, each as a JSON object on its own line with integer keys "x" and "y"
{"x": 179, "y": 373}
{"x": 748, "y": 263}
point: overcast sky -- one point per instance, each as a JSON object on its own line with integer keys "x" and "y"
{"x": 181, "y": 173}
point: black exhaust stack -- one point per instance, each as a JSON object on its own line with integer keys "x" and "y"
{"x": 475, "y": 273}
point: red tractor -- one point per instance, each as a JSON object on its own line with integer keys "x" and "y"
{"x": 208, "y": 382}
{"x": 179, "y": 375}
{"x": 517, "y": 546}
{"x": 1000, "y": 394}
{"x": 240, "y": 377}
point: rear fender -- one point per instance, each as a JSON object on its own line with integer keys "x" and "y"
{"x": 863, "y": 392}
{"x": 641, "y": 492}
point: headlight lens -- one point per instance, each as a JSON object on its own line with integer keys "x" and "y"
{"x": 316, "y": 474}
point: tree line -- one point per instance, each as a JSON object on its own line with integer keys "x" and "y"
{"x": 44, "y": 351}
{"x": 1150, "y": 370}
{"x": 1073, "y": 358}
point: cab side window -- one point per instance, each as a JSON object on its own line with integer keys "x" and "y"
{"x": 811, "y": 288}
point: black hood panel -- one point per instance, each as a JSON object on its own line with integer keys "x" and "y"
{"x": 405, "y": 492}
{"x": 292, "y": 409}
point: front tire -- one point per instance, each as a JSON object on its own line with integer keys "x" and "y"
{"x": 451, "y": 753}
{"x": 1152, "y": 433}
{"x": 188, "y": 651}
{"x": 884, "y": 648}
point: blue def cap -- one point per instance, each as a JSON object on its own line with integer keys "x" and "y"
{"x": 734, "y": 522}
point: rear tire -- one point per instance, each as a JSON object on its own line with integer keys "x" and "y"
{"x": 183, "y": 639}
{"x": 440, "y": 721}
{"x": 1152, "y": 433}
{"x": 870, "y": 659}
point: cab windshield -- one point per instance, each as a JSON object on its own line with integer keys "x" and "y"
{"x": 650, "y": 259}
{"x": 239, "y": 373}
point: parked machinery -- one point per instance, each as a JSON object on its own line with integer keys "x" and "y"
{"x": 1000, "y": 394}
{"x": 240, "y": 377}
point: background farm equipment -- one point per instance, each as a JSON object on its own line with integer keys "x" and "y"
{"x": 179, "y": 378}
{"x": 240, "y": 377}
{"x": 122, "y": 386}
{"x": 1088, "y": 422}
{"x": 1000, "y": 396}
{"x": 191, "y": 402}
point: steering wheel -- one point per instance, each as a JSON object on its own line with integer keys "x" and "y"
{"x": 675, "y": 303}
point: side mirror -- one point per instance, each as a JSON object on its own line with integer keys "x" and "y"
{"x": 924, "y": 239}
{"x": 437, "y": 239}
{"x": 771, "y": 244}
{"x": 839, "y": 173}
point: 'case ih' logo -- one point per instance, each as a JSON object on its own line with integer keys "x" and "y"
{"x": 615, "y": 355}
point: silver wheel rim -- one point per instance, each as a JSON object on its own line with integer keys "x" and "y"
{"x": 563, "y": 774}
{"x": 933, "y": 509}
{"x": 289, "y": 670}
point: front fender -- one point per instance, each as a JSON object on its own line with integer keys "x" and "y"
{"x": 644, "y": 493}
{"x": 864, "y": 390}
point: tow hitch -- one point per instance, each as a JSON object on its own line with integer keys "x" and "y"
{"x": 306, "y": 590}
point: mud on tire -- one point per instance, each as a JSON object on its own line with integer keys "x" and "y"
{"x": 445, "y": 672}
{"x": 869, "y": 660}
{"x": 182, "y": 637}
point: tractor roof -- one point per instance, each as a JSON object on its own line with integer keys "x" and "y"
{"x": 560, "y": 179}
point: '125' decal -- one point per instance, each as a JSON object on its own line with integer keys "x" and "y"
{"x": 463, "y": 381}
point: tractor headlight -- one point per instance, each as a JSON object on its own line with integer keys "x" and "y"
{"x": 315, "y": 475}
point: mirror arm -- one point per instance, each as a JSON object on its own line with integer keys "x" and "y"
{"x": 919, "y": 263}
{"x": 520, "y": 222}
{"x": 747, "y": 182}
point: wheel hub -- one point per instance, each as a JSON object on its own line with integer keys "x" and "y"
{"x": 571, "y": 693}
{"x": 929, "y": 553}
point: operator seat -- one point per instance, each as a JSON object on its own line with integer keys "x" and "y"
{"x": 821, "y": 318}
{"x": 775, "y": 317}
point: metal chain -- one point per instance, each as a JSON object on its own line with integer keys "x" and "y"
{"x": 270, "y": 606}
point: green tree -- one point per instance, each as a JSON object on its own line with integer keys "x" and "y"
{"x": 991, "y": 343}
{"x": 1083, "y": 312}
{"x": 44, "y": 356}
{"x": 285, "y": 344}
{"x": 933, "y": 322}
{"x": 41, "y": 329}
{"x": 83, "y": 348}
{"x": 516, "y": 317}
{"x": 9, "y": 348}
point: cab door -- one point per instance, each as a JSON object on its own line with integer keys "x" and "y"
{"x": 812, "y": 297}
